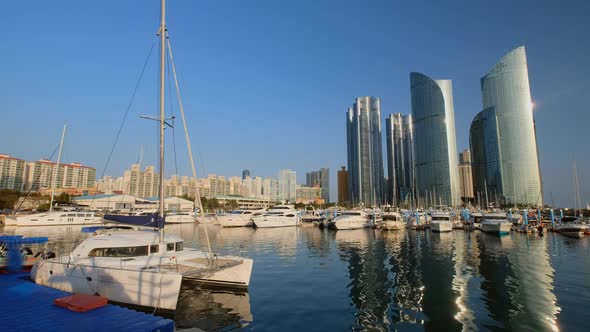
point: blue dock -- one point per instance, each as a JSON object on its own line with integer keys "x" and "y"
{"x": 26, "y": 306}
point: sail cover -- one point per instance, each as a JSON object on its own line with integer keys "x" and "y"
{"x": 148, "y": 220}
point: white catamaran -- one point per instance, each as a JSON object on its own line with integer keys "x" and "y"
{"x": 141, "y": 267}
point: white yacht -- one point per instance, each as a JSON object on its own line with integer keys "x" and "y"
{"x": 392, "y": 219}
{"x": 278, "y": 216}
{"x": 312, "y": 218}
{"x": 495, "y": 222}
{"x": 441, "y": 221}
{"x": 138, "y": 267}
{"x": 570, "y": 226}
{"x": 181, "y": 217}
{"x": 55, "y": 218}
{"x": 418, "y": 219}
{"x": 475, "y": 220}
{"x": 239, "y": 218}
{"x": 353, "y": 219}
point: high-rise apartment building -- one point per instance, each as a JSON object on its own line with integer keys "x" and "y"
{"x": 465, "y": 176}
{"x": 365, "y": 153}
{"x": 39, "y": 175}
{"x": 12, "y": 173}
{"x": 287, "y": 186}
{"x": 320, "y": 179}
{"x": 502, "y": 136}
{"x": 342, "y": 186}
{"x": 435, "y": 146}
{"x": 400, "y": 164}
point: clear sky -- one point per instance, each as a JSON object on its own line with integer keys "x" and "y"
{"x": 266, "y": 84}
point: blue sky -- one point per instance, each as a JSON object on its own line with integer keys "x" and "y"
{"x": 266, "y": 84}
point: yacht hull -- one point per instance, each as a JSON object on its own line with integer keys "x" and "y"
{"x": 441, "y": 227}
{"x": 156, "y": 289}
{"x": 496, "y": 228}
{"x": 225, "y": 221}
{"x": 268, "y": 222}
{"x": 393, "y": 225}
{"x": 58, "y": 221}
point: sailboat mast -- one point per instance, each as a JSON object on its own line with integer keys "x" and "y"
{"x": 162, "y": 113}
{"x": 56, "y": 170}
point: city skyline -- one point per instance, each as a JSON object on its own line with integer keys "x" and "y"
{"x": 229, "y": 69}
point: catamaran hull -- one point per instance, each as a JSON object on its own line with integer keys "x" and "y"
{"x": 143, "y": 288}
{"x": 496, "y": 228}
{"x": 236, "y": 277}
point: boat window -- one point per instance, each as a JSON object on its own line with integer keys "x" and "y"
{"x": 290, "y": 215}
{"x": 71, "y": 214}
{"x": 351, "y": 213}
{"x": 170, "y": 246}
{"x": 63, "y": 215}
{"x": 236, "y": 212}
{"x": 154, "y": 248}
{"x": 119, "y": 252}
{"x": 247, "y": 212}
{"x": 179, "y": 246}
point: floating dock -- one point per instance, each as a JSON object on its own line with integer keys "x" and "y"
{"x": 26, "y": 306}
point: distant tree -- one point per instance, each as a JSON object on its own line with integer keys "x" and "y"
{"x": 63, "y": 198}
{"x": 300, "y": 205}
{"x": 8, "y": 199}
{"x": 43, "y": 207}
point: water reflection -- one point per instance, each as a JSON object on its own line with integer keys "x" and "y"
{"x": 311, "y": 279}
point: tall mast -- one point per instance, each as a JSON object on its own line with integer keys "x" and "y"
{"x": 56, "y": 170}
{"x": 162, "y": 113}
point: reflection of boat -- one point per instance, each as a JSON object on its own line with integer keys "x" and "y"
{"x": 495, "y": 223}
{"x": 441, "y": 222}
{"x": 571, "y": 227}
{"x": 277, "y": 216}
{"x": 141, "y": 267}
{"x": 353, "y": 219}
{"x": 212, "y": 310}
{"x": 239, "y": 218}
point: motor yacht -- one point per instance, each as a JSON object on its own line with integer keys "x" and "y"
{"x": 495, "y": 222}
{"x": 312, "y": 218}
{"x": 278, "y": 216}
{"x": 353, "y": 219}
{"x": 571, "y": 226}
{"x": 239, "y": 218}
{"x": 441, "y": 221}
{"x": 392, "y": 219}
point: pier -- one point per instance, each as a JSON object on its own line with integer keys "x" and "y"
{"x": 26, "y": 306}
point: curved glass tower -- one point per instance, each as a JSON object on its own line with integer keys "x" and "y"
{"x": 435, "y": 146}
{"x": 365, "y": 155}
{"x": 508, "y": 161}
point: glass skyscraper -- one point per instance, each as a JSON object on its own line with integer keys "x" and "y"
{"x": 365, "y": 154}
{"x": 435, "y": 145}
{"x": 502, "y": 136}
{"x": 400, "y": 163}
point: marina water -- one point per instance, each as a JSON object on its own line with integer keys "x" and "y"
{"x": 310, "y": 279}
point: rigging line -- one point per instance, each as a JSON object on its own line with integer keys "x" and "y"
{"x": 190, "y": 153}
{"x": 172, "y": 116}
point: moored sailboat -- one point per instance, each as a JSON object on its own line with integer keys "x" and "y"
{"x": 142, "y": 267}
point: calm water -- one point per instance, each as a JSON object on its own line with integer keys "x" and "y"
{"x": 313, "y": 280}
